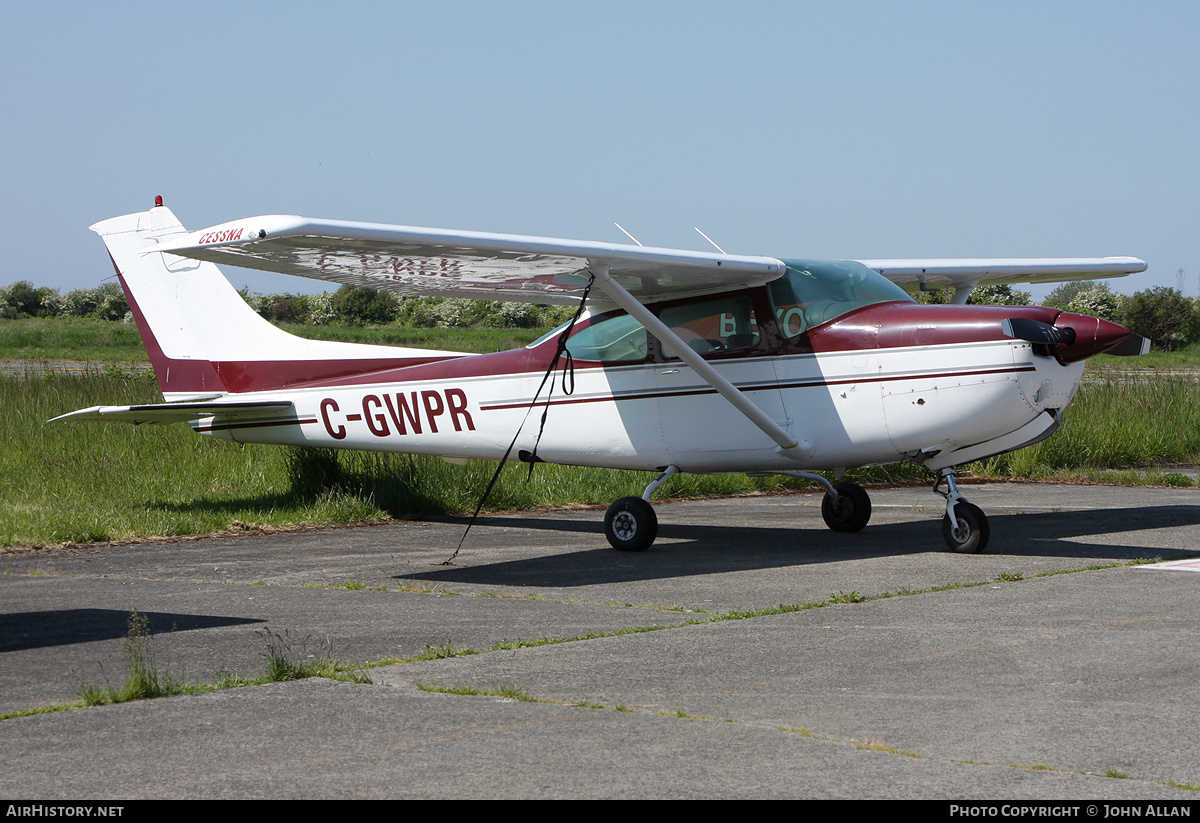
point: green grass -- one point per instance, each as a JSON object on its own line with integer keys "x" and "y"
{"x": 98, "y": 340}
{"x": 284, "y": 663}
{"x": 1141, "y": 421}
{"x": 506, "y": 691}
{"x": 83, "y": 482}
{"x": 103, "y": 341}
{"x": 1187, "y": 357}
{"x": 144, "y": 681}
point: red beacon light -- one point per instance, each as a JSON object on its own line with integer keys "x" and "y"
{"x": 158, "y": 199}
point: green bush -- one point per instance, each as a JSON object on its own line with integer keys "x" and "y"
{"x": 1090, "y": 297}
{"x": 984, "y": 295}
{"x": 1162, "y": 314}
{"x": 357, "y": 306}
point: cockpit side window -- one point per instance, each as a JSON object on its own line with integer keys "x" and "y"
{"x": 724, "y": 324}
{"x": 813, "y": 292}
{"x": 613, "y": 338}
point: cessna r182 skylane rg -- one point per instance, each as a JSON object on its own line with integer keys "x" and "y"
{"x": 682, "y": 361}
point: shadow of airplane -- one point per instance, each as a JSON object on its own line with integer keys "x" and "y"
{"x": 690, "y": 550}
{"x": 35, "y": 630}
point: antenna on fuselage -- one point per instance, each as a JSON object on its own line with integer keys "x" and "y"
{"x": 627, "y": 234}
{"x": 709, "y": 239}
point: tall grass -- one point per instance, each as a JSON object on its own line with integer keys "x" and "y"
{"x": 82, "y": 482}
{"x": 69, "y": 339}
{"x": 106, "y": 341}
{"x": 1116, "y": 423}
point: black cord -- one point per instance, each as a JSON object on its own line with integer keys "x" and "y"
{"x": 559, "y": 351}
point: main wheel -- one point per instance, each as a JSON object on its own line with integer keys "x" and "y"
{"x": 849, "y": 511}
{"x": 630, "y": 525}
{"x": 969, "y": 535}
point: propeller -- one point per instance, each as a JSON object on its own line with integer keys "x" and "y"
{"x": 1132, "y": 346}
{"x": 1096, "y": 338}
{"x": 1035, "y": 331}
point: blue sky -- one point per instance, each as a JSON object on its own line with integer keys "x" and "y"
{"x": 851, "y": 129}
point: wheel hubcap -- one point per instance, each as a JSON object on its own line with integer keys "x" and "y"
{"x": 961, "y": 531}
{"x": 624, "y": 526}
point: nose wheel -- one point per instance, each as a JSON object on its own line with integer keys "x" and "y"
{"x": 964, "y": 525}
{"x": 968, "y": 533}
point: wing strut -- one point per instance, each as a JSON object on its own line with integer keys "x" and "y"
{"x": 788, "y": 446}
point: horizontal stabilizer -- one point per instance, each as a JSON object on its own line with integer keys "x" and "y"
{"x": 177, "y": 412}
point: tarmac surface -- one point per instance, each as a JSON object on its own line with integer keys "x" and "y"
{"x": 1074, "y": 685}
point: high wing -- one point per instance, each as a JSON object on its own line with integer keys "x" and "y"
{"x": 483, "y": 265}
{"x": 964, "y": 274}
{"x": 447, "y": 263}
{"x": 179, "y": 412}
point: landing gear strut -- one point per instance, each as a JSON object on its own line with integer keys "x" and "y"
{"x": 964, "y": 526}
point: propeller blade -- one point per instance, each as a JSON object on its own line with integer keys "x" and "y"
{"x": 1035, "y": 331}
{"x": 1132, "y": 346}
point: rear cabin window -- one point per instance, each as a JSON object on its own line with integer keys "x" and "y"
{"x": 724, "y": 324}
{"x": 617, "y": 338}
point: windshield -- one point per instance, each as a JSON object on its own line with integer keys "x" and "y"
{"x": 815, "y": 291}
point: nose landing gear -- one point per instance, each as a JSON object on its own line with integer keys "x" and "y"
{"x": 964, "y": 526}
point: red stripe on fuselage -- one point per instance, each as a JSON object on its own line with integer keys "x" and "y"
{"x": 908, "y": 325}
{"x": 883, "y": 326}
{"x": 803, "y": 384}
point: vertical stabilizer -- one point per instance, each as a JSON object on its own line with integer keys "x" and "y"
{"x": 202, "y": 337}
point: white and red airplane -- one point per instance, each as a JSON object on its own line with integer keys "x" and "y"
{"x": 682, "y": 361}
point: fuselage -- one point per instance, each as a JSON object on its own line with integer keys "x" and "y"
{"x": 881, "y": 383}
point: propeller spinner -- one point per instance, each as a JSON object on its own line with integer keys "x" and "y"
{"x": 1076, "y": 337}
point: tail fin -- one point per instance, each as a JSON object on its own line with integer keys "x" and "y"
{"x": 202, "y": 337}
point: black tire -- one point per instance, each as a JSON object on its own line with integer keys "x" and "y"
{"x": 973, "y": 529}
{"x": 849, "y": 511}
{"x": 630, "y": 525}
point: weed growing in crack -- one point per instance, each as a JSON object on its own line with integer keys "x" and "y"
{"x": 143, "y": 680}
{"x": 284, "y": 663}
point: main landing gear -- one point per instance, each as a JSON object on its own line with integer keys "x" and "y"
{"x": 847, "y": 508}
{"x": 964, "y": 526}
{"x": 630, "y": 524}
